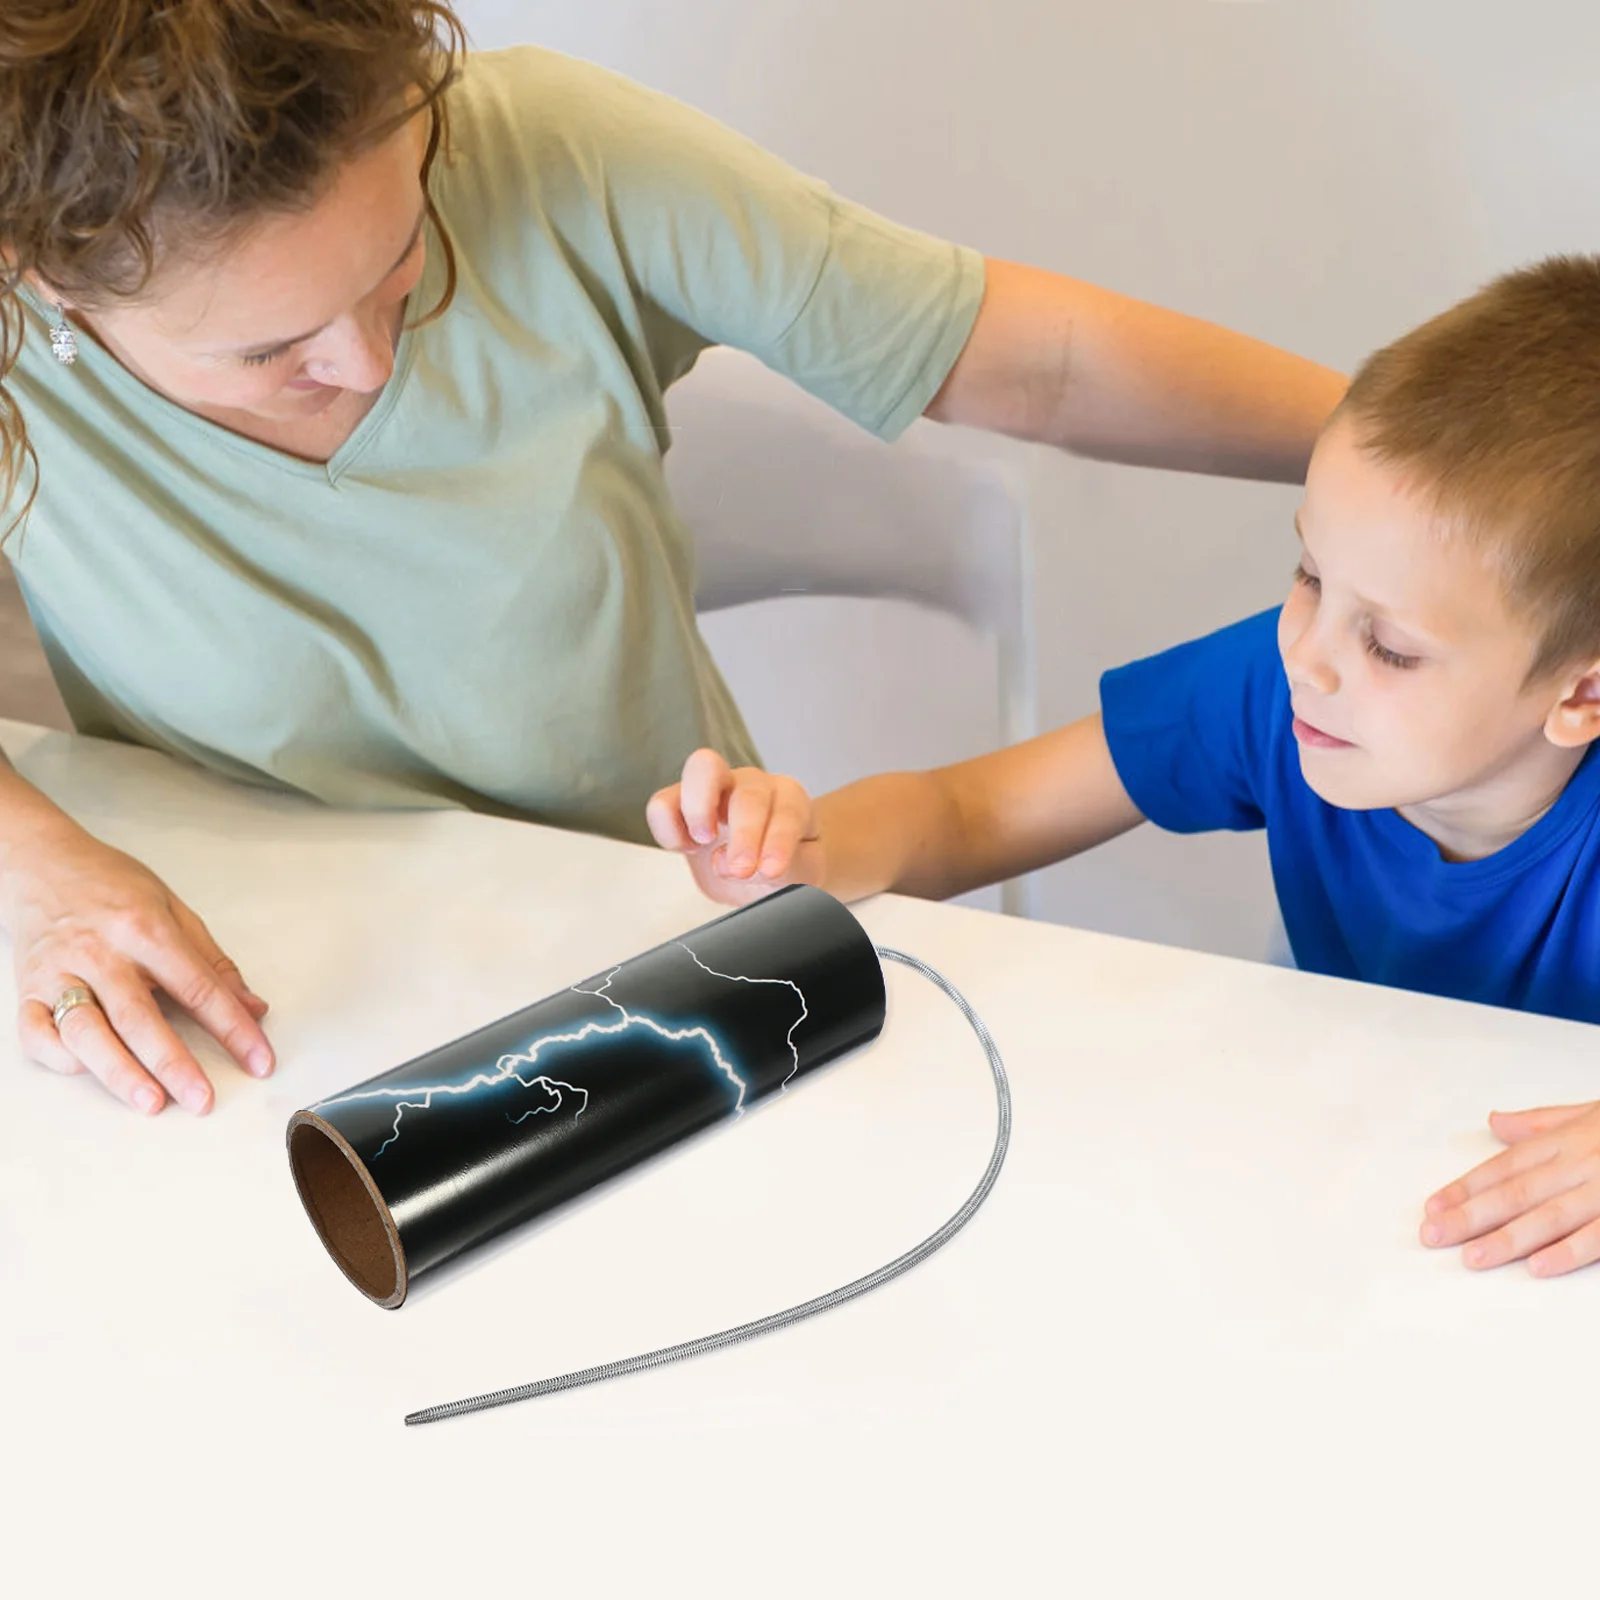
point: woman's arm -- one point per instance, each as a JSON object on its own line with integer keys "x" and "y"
{"x": 82, "y": 915}
{"x": 1063, "y": 363}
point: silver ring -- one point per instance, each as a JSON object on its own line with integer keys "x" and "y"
{"x": 70, "y": 1000}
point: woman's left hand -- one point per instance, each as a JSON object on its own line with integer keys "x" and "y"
{"x": 1538, "y": 1198}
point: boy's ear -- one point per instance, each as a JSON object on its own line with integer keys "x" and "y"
{"x": 1575, "y": 719}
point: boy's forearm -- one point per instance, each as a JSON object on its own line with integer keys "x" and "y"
{"x": 885, "y": 833}
{"x": 940, "y": 833}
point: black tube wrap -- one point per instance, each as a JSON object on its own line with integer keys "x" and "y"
{"x": 421, "y": 1163}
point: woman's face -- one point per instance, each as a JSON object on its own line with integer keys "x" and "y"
{"x": 296, "y": 311}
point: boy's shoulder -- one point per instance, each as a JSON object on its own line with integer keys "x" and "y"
{"x": 1247, "y": 649}
{"x": 1219, "y": 661}
{"x": 1197, "y": 732}
{"x": 1230, "y": 678}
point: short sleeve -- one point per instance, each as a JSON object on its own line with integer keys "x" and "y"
{"x": 1191, "y": 731}
{"x": 730, "y": 242}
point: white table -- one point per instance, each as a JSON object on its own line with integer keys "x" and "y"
{"x": 1190, "y": 1347}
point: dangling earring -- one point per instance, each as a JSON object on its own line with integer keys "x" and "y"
{"x": 63, "y": 341}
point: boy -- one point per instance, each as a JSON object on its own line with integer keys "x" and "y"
{"x": 1413, "y": 729}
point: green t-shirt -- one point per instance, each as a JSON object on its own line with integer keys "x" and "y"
{"x": 485, "y": 598}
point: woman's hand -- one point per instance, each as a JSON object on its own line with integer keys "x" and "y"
{"x": 1538, "y": 1198}
{"x": 84, "y": 915}
{"x": 746, "y": 832}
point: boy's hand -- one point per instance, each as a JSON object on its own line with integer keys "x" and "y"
{"x": 746, "y": 832}
{"x": 1539, "y": 1198}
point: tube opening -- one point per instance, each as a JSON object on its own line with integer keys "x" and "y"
{"x": 346, "y": 1209}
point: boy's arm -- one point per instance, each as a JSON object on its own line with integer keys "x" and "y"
{"x": 939, "y": 833}
{"x": 1194, "y": 729}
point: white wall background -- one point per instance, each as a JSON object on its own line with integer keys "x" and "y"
{"x": 1320, "y": 174}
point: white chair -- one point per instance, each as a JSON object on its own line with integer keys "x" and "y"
{"x": 785, "y": 496}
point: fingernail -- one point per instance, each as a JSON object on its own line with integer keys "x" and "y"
{"x": 771, "y": 866}
{"x": 259, "y": 1062}
{"x": 1474, "y": 1255}
{"x": 195, "y": 1097}
{"x": 1431, "y": 1234}
{"x": 147, "y": 1099}
{"x": 738, "y": 863}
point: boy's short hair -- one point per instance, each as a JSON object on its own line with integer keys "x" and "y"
{"x": 1494, "y": 407}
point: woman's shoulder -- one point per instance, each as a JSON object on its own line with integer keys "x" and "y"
{"x": 529, "y": 104}
{"x": 529, "y": 133}
{"x": 532, "y": 123}
{"x": 528, "y": 82}
{"x": 514, "y": 168}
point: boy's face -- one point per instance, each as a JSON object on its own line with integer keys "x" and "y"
{"x": 1406, "y": 666}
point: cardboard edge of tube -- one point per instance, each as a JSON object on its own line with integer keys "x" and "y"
{"x": 346, "y": 1232}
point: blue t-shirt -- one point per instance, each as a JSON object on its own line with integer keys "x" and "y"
{"x": 1202, "y": 739}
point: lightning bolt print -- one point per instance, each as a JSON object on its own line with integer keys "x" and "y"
{"x": 672, "y": 1035}
{"x": 505, "y": 1071}
{"x": 513, "y": 1068}
{"x": 733, "y": 977}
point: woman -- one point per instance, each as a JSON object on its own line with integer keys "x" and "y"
{"x": 333, "y": 370}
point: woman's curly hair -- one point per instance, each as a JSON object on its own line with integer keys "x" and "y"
{"x": 127, "y": 122}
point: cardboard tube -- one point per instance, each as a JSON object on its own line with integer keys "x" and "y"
{"x": 419, "y": 1164}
